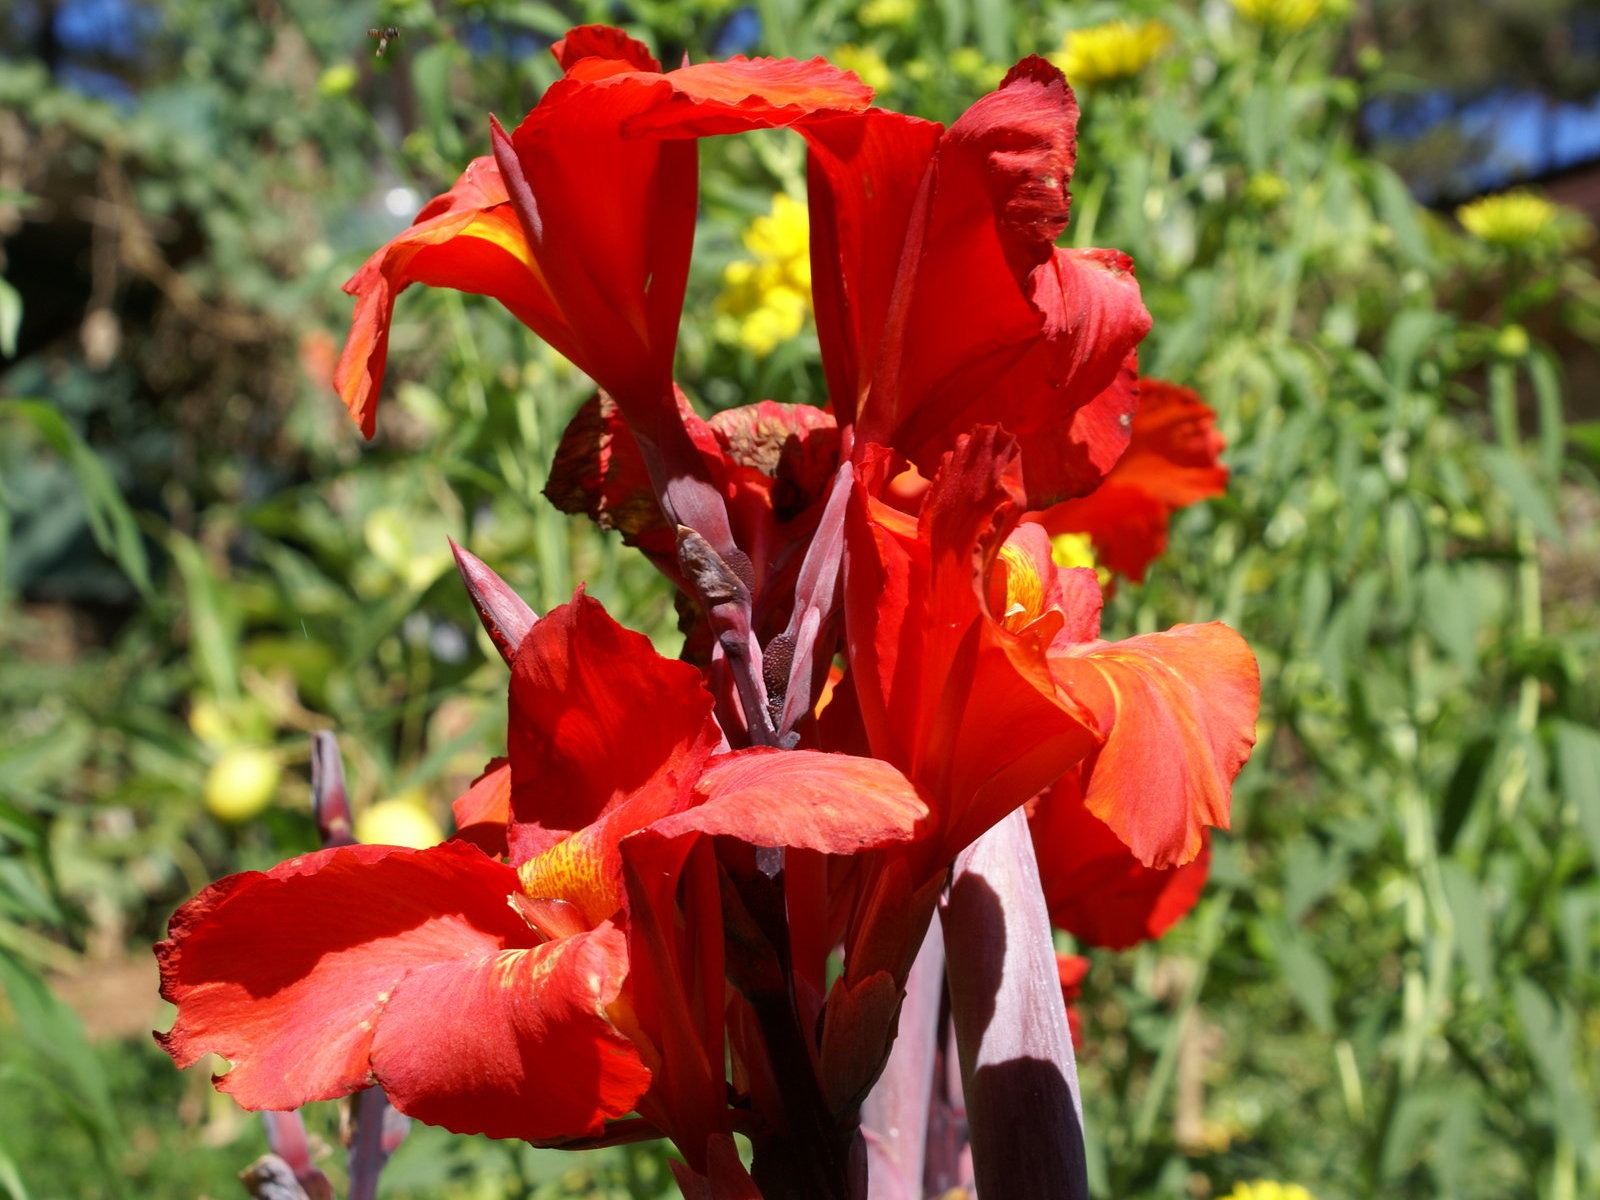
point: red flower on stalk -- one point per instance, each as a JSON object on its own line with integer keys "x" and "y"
{"x": 942, "y": 300}
{"x": 542, "y": 997}
{"x": 601, "y": 282}
{"x": 978, "y": 669}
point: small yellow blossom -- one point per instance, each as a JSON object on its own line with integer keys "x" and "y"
{"x": 769, "y": 293}
{"x": 1104, "y": 53}
{"x": 1072, "y": 550}
{"x": 338, "y": 79}
{"x": 879, "y": 14}
{"x": 1287, "y": 15}
{"x": 401, "y": 821}
{"x": 1266, "y": 1189}
{"x": 1521, "y": 220}
{"x": 1266, "y": 190}
{"x": 865, "y": 62}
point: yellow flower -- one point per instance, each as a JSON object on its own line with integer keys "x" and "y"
{"x": 1520, "y": 220}
{"x": 1072, "y": 550}
{"x": 401, "y": 821}
{"x": 865, "y": 62}
{"x": 769, "y": 294}
{"x": 876, "y": 14}
{"x": 241, "y": 783}
{"x": 1266, "y": 1189}
{"x": 1099, "y": 54}
{"x": 1287, "y": 15}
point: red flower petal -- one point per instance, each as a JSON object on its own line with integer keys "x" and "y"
{"x": 967, "y": 708}
{"x": 1094, "y": 886}
{"x": 1073, "y": 970}
{"x": 864, "y": 174}
{"x": 1178, "y": 712}
{"x": 598, "y": 716}
{"x": 750, "y": 93}
{"x": 803, "y": 798}
{"x": 540, "y": 1055}
{"x": 988, "y": 320}
{"x": 407, "y": 968}
{"x": 483, "y": 810}
{"x": 587, "y": 43}
{"x": 467, "y": 239}
{"x": 1171, "y": 461}
{"x": 595, "y": 263}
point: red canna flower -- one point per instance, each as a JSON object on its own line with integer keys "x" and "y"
{"x": 942, "y": 300}
{"x": 537, "y": 998}
{"x": 977, "y": 667}
{"x": 1171, "y": 462}
{"x": 601, "y": 282}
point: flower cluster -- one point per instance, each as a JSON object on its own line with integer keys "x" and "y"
{"x": 687, "y": 900}
{"x": 769, "y": 294}
{"x": 1092, "y": 55}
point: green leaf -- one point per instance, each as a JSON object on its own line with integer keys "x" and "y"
{"x": 1585, "y": 436}
{"x": 52, "y": 1031}
{"x": 1399, "y": 213}
{"x": 111, "y": 521}
{"x": 1309, "y": 874}
{"x": 1549, "y": 1032}
{"x": 1465, "y": 787}
{"x": 11, "y": 1179}
{"x": 213, "y": 620}
{"x": 1523, "y": 491}
{"x": 1307, "y": 976}
{"x": 1578, "y": 759}
{"x": 1474, "y": 940}
{"x": 1542, "y": 373}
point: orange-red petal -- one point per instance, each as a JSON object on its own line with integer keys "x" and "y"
{"x": 408, "y": 968}
{"x": 1171, "y": 461}
{"x": 599, "y": 719}
{"x": 1177, "y": 710}
{"x": 834, "y": 803}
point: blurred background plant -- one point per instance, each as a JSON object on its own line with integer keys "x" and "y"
{"x": 1390, "y": 986}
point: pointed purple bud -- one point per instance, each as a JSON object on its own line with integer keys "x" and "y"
{"x": 1017, "y": 1069}
{"x": 504, "y": 614}
{"x": 517, "y": 187}
{"x": 288, "y": 1171}
{"x": 330, "y": 806}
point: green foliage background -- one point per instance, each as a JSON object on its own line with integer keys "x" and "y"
{"x": 1390, "y": 987}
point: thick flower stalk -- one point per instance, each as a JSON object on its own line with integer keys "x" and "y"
{"x": 687, "y": 900}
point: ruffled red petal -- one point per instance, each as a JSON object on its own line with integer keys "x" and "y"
{"x": 408, "y": 968}
{"x": 807, "y": 799}
{"x": 467, "y": 239}
{"x": 598, "y": 717}
{"x": 590, "y": 246}
{"x": 1171, "y": 461}
{"x": 967, "y": 708}
{"x": 985, "y": 319}
{"x": 1178, "y": 712}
